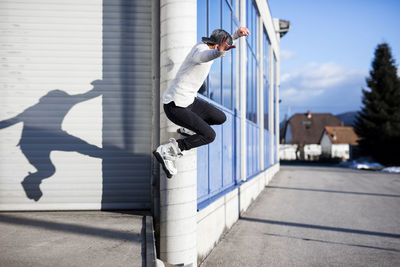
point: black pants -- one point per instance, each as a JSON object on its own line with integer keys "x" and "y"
{"x": 197, "y": 117}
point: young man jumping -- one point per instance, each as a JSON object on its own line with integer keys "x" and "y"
{"x": 181, "y": 105}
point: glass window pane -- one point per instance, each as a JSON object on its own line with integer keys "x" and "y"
{"x": 254, "y": 89}
{"x": 275, "y": 96}
{"x": 248, "y": 83}
{"x": 201, "y": 19}
{"x": 248, "y": 17}
{"x": 265, "y": 53}
{"x": 251, "y": 87}
{"x": 214, "y": 15}
{"x": 252, "y": 25}
{"x": 265, "y": 78}
{"x": 226, "y": 17}
{"x": 234, "y": 73}
{"x": 204, "y": 88}
{"x": 266, "y": 104}
{"x": 233, "y": 4}
{"x": 215, "y": 81}
{"x": 227, "y": 80}
{"x": 214, "y": 12}
{"x": 273, "y": 93}
{"x": 227, "y": 60}
{"x": 252, "y": 68}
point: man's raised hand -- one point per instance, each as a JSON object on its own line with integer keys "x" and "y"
{"x": 243, "y": 31}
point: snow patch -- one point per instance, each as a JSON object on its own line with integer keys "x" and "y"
{"x": 361, "y": 164}
{"x": 392, "y": 169}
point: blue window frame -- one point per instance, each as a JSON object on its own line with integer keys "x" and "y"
{"x": 266, "y": 84}
{"x": 275, "y": 126}
{"x": 252, "y": 67}
{"x": 252, "y": 62}
{"x": 276, "y": 106}
{"x": 266, "y": 44}
{"x": 218, "y": 164}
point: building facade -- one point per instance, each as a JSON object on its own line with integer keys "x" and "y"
{"x": 80, "y": 112}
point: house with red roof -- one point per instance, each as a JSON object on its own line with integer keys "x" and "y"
{"x": 338, "y": 142}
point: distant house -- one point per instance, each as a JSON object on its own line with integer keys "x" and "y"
{"x": 302, "y": 135}
{"x": 338, "y": 142}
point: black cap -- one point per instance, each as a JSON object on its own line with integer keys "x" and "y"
{"x": 217, "y": 36}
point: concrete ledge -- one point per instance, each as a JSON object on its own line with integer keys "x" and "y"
{"x": 73, "y": 238}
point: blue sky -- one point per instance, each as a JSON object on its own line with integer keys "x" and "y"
{"x": 327, "y": 54}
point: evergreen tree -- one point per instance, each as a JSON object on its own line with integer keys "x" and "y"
{"x": 378, "y": 122}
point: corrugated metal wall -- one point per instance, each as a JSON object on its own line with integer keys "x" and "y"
{"x": 75, "y": 104}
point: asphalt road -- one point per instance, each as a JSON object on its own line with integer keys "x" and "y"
{"x": 317, "y": 216}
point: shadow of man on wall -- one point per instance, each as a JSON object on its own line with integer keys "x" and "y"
{"x": 127, "y": 114}
{"x": 42, "y": 133}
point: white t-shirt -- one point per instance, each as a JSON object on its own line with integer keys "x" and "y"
{"x": 191, "y": 75}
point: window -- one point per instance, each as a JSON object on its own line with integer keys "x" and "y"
{"x": 266, "y": 84}
{"x": 215, "y": 79}
{"x": 211, "y": 15}
{"x": 252, "y": 69}
{"x": 276, "y": 106}
{"x": 266, "y": 45}
{"x": 201, "y": 18}
{"x": 252, "y": 62}
{"x": 218, "y": 164}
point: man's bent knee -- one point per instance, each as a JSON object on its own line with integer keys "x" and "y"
{"x": 221, "y": 118}
{"x": 210, "y": 137}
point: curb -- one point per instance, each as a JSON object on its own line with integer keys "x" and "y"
{"x": 150, "y": 243}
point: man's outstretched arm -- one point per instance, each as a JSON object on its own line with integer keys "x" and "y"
{"x": 211, "y": 54}
{"x": 207, "y": 55}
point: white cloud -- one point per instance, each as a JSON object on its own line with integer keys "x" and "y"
{"x": 328, "y": 75}
{"x": 285, "y": 77}
{"x": 320, "y": 76}
{"x": 287, "y": 54}
{"x": 289, "y": 92}
{"x": 324, "y": 85}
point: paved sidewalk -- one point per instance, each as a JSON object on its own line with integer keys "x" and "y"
{"x": 72, "y": 239}
{"x": 318, "y": 216}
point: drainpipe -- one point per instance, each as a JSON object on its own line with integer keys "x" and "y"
{"x": 178, "y": 195}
